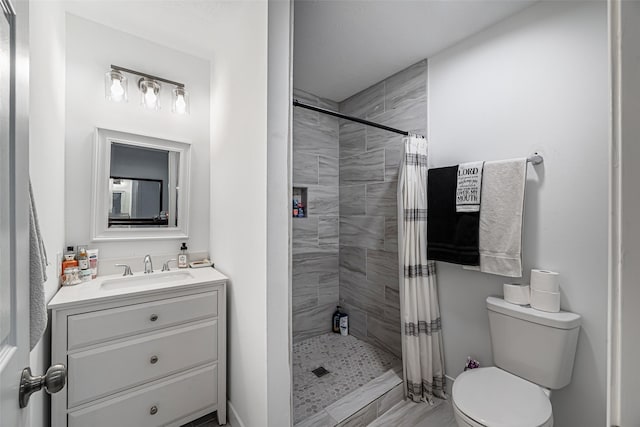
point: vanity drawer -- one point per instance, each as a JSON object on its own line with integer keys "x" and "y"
{"x": 157, "y": 405}
{"x": 103, "y": 325}
{"x": 108, "y": 369}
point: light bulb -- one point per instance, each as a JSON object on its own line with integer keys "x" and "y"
{"x": 181, "y": 105}
{"x": 180, "y": 101}
{"x": 150, "y": 98}
{"x": 115, "y": 86}
{"x": 117, "y": 91}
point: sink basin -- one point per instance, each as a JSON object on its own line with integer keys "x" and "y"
{"x": 152, "y": 279}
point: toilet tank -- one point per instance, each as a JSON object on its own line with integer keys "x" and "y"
{"x": 533, "y": 344}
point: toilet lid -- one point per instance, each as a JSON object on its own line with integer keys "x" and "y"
{"x": 496, "y": 398}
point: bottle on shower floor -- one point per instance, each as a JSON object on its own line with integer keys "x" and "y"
{"x": 336, "y": 320}
{"x": 344, "y": 324}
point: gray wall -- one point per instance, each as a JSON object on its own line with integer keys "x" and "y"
{"x": 315, "y": 238}
{"x": 369, "y": 160}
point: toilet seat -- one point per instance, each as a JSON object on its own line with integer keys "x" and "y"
{"x": 462, "y": 419}
{"x": 492, "y": 397}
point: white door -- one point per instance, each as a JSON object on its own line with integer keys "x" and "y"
{"x": 14, "y": 223}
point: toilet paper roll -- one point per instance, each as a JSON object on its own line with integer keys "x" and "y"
{"x": 545, "y": 280}
{"x": 516, "y": 293}
{"x": 545, "y": 301}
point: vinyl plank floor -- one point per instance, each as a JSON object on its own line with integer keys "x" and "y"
{"x": 411, "y": 414}
{"x": 209, "y": 420}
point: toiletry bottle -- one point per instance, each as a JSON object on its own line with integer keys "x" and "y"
{"x": 69, "y": 259}
{"x": 335, "y": 326}
{"x": 93, "y": 262}
{"x": 183, "y": 259}
{"x": 344, "y": 324}
{"x": 83, "y": 258}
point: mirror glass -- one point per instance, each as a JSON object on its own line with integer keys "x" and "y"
{"x": 143, "y": 190}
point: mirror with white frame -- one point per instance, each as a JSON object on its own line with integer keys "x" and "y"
{"x": 141, "y": 187}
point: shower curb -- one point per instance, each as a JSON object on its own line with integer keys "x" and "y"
{"x": 361, "y": 406}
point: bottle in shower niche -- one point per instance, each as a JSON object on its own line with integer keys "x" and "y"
{"x": 183, "y": 258}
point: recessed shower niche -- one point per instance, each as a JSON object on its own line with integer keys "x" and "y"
{"x": 299, "y": 198}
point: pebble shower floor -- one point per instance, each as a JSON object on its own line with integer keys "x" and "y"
{"x": 351, "y": 364}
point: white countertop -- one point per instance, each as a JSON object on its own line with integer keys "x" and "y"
{"x": 94, "y": 291}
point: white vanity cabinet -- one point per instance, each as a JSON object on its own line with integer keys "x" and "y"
{"x": 141, "y": 356}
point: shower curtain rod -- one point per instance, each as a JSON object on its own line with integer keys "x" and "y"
{"x": 297, "y": 103}
{"x": 534, "y": 159}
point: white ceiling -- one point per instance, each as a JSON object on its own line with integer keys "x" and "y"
{"x": 196, "y": 27}
{"x": 340, "y": 46}
{"x": 344, "y": 46}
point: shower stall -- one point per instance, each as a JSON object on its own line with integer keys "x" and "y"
{"x": 345, "y": 249}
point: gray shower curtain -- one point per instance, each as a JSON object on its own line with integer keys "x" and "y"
{"x": 422, "y": 349}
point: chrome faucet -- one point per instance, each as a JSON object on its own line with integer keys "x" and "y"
{"x": 148, "y": 265}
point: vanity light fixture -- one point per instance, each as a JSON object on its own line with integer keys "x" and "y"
{"x": 150, "y": 88}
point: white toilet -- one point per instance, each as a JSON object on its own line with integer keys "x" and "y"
{"x": 533, "y": 352}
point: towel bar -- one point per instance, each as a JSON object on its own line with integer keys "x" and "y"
{"x": 535, "y": 159}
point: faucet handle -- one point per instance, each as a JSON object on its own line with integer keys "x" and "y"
{"x": 165, "y": 266}
{"x": 127, "y": 269}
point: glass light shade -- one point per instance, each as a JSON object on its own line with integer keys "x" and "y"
{"x": 180, "y": 101}
{"x": 150, "y": 93}
{"x": 115, "y": 86}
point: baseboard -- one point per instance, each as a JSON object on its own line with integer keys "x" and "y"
{"x": 234, "y": 419}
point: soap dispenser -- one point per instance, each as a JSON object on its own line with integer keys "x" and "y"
{"x": 183, "y": 259}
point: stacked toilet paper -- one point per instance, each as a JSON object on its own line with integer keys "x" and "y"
{"x": 545, "y": 290}
{"x": 515, "y": 293}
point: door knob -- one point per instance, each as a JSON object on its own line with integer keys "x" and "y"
{"x": 53, "y": 381}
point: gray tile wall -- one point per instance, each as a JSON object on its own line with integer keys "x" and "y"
{"x": 315, "y": 238}
{"x": 368, "y": 173}
{"x": 346, "y": 250}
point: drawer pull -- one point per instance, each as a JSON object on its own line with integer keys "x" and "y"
{"x": 153, "y": 317}
{"x": 153, "y": 410}
{"x": 154, "y": 360}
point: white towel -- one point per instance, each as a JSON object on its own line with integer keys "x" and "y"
{"x": 501, "y": 213}
{"x": 469, "y": 187}
{"x": 37, "y": 275}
